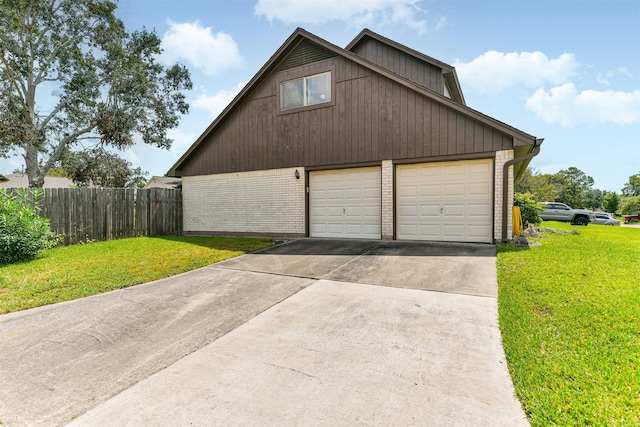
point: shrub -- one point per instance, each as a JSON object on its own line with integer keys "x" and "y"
{"x": 528, "y": 208}
{"x": 630, "y": 205}
{"x": 23, "y": 232}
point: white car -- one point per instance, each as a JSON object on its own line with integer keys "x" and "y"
{"x": 605, "y": 219}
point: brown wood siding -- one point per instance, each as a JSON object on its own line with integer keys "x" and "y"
{"x": 409, "y": 67}
{"x": 373, "y": 119}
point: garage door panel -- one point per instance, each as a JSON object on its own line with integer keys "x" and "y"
{"x": 454, "y": 201}
{"x": 478, "y": 189}
{"x": 430, "y": 230}
{"x": 479, "y": 211}
{"x": 427, "y": 191}
{"x": 335, "y": 195}
{"x": 430, "y": 210}
{"x": 454, "y": 211}
{"x": 354, "y": 211}
{"x": 352, "y": 207}
{"x": 480, "y": 169}
{"x": 478, "y": 231}
{"x": 408, "y": 191}
{"x": 453, "y": 170}
{"x": 407, "y": 230}
{"x": 454, "y": 190}
{"x": 454, "y": 231}
{"x": 353, "y": 193}
{"x": 407, "y": 211}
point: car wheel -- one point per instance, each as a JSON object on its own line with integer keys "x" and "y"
{"x": 581, "y": 221}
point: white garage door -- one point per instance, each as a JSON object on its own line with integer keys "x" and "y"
{"x": 451, "y": 201}
{"x": 345, "y": 203}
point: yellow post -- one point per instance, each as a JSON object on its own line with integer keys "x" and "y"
{"x": 516, "y": 228}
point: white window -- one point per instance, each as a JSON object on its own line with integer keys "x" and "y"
{"x": 305, "y": 91}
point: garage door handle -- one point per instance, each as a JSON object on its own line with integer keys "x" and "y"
{"x": 344, "y": 211}
{"x": 441, "y": 210}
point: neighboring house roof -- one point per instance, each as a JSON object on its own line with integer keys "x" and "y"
{"x": 164, "y": 182}
{"x": 21, "y": 180}
{"x": 523, "y": 143}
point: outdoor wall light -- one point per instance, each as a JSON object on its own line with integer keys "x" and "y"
{"x": 296, "y": 174}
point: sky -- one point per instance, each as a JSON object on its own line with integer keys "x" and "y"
{"x": 567, "y": 71}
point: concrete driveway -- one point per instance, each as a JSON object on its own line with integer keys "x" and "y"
{"x": 312, "y": 332}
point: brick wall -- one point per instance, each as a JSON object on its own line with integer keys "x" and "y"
{"x": 387, "y": 200}
{"x": 270, "y": 202}
{"x": 501, "y": 158}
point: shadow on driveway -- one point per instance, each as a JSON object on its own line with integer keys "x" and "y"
{"x": 446, "y": 267}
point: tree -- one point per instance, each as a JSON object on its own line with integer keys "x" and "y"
{"x": 573, "y": 185}
{"x": 593, "y": 198}
{"x": 611, "y": 202}
{"x": 100, "y": 167}
{"x": 540, "y": 186}
{"x": 632, "y": 187}
{"x": 630, "y": 205}
{"x": 110, "y": 86}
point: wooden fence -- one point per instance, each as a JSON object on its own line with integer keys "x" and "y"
{"x": 97, "y": 214}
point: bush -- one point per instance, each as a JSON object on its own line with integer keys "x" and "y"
{"x": 630, "y": 205}
{"x": 528, "y": 208}
{"x": 23, "y": 232}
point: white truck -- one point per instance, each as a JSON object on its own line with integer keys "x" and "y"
{"x": 554, "y": 211}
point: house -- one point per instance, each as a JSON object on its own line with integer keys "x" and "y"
{"x": 372, "y": 141}
{"x": 164, "y": 182}
{"x": 21, "y": 180}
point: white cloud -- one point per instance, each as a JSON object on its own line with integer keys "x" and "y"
{"x": 214, "y": 104}
{"x": 199, "y": 47}
{"x": 494, "y": 71}
{"x": 566, "y": 106}
{"x": 359, "y": 12}
{"x": 605, "y": 78}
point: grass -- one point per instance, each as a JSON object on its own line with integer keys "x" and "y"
{"x": 570, "y": 319}
{"x": 71, "y": 272}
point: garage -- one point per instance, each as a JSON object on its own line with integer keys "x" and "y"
{"x": 448, "y": 201}
{"x": 345, "y": 203}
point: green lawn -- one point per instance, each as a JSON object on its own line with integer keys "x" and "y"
{"x": 570, "y": 320}
{"x": 71, "y": 272}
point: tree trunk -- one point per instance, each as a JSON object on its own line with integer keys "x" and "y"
{"x": 34, "y": 172}
{"x": 35, "y": 175}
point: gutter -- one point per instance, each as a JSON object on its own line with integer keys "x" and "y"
{"x": 505, "y": 182}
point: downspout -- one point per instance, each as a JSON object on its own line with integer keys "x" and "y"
{"x": 505, "y": 183}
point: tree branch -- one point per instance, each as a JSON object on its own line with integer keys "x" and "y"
{"x": 13, "y": 78}
{"x": 57, "y": 150}
{"x": 50, "y": 116}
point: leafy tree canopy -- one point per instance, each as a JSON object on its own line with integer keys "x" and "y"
{"x": 99, "y": 167}
{"x": 573, "y": 187}
{"x": 632, "y": 187}
{"x": 540, "y": 186}
{"x": 611, "y": 202}
{"x": 109, "y": 84}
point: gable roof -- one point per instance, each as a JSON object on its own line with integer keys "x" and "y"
{"x": 520, "y": 138}
{"x": 21, "y": 180}
{"x": 448, "y": 71}
{"x": 163, "y": 182}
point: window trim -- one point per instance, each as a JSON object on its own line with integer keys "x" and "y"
{"x": 302, "y": 74}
